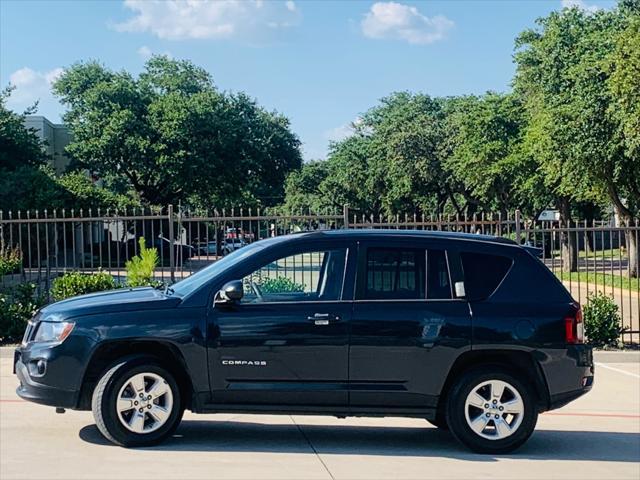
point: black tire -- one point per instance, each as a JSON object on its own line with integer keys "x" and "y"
{"x": 105, "y": 396}
{"x": 462, "y": 431}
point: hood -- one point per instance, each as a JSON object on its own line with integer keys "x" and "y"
{"x": 112, "y": 301}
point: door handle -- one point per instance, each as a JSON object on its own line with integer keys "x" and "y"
{"x": 323, "y": 318}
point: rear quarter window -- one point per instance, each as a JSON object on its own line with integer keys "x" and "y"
{"x": 483, "y": 273}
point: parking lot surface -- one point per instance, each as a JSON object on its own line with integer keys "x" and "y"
{"x": 597, "y": 436}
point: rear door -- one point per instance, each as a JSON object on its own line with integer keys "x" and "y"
{"x": 407, "y": 327}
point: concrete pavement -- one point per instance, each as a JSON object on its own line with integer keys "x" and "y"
{"x": 598, "y": 436}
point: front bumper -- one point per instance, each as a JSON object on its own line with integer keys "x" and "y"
{"x": 33, "y": 388}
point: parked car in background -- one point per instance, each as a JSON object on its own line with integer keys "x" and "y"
{"x": 211, "y": 247}
{"x": 181, "y": 251}
{"x": 470, "y": 332}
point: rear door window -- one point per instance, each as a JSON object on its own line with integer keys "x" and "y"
{"x": 438, "y": 283}
{"x": 483, "y": 273}
{"x": 394, "y": 273}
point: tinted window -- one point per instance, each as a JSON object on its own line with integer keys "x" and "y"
{"x": 393, "y": 273}
{"x": 438, "y": 285}
{"x": 483, "y": 273}
{"x": 305, "y": 276}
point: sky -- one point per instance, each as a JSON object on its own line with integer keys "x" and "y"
{"x": 320, "y": 63}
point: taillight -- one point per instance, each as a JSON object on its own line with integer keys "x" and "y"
{"x": 574, "y": 327}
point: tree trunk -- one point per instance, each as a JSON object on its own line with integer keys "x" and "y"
{"x": 630, "y": 233}
{"x": 632, "y": 249}
{"x": 568, "y": 246}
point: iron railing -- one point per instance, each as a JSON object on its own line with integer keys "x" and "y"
{"x": 587, "y": 256}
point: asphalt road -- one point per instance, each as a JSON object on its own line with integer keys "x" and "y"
{"x": 598, "y": 436}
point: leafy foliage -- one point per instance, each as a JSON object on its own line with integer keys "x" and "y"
{"x": 72, "y": 284}
{"x": 170, "y": 132}
{"x": 280, "y": 285}
{"x": 141, "y": 267}
{"x": 624, "y": 83}
{"x": 17, "y": 306}
{"x": 486, "y": 153}
{"x": 18, "y": 145}
{"x": 391, "y": 164}
{"x": 602, "y": 322}
{"x": 576, "y": 72}
{"x": 10, "y": 259}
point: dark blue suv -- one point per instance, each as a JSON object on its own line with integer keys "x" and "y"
{"x": 470, "y": 332}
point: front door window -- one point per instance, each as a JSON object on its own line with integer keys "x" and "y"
{"x": 309, "y": 276}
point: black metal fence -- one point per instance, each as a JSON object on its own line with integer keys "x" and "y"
{"x": 588, "y": 256}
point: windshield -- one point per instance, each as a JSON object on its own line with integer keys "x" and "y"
{"x": 193, "y": 282}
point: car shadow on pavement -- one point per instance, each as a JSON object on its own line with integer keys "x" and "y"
{"x": 237, "y": 436}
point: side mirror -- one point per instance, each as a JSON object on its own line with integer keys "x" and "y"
{"x": 459, "y": 289}
{"x": 231, "y": 292}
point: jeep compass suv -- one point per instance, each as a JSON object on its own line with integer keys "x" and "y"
{"x": 470, "y": 332}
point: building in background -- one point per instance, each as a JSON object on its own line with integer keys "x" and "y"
{"x": 55, "y": 137}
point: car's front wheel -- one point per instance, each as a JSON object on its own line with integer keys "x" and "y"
{"x": 137, "y": 403}
{"x": 491, "y": 411}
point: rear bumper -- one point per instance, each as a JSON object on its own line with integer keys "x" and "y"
{"x": 561, "y": 399}
{"x": 569, "y": 374}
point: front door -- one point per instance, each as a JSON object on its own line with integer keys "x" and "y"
{"x": 286, "y": 341}
{"x": 406, "y": 328}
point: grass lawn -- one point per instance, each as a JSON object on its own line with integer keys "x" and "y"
{"x": 603, "y": 279}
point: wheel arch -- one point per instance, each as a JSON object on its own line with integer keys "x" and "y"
{"x": 521, "y": 363}
{"x": 108, "y": 353}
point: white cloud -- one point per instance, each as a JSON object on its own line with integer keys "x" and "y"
{"x": 205, "y": 19}
{"x": 31, "y": 86}
{"x": 343, "y": 131}
{"x": 339, "y": 133}
{"x": 581, "y": 4}
{"x": 403, "y": 22}
{"x": 144, "y": 51}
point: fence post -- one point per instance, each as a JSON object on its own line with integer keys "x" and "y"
{"x": 518, "y": 228}
{"x": 172, "y": 253}
{"x": 345, "y": 215}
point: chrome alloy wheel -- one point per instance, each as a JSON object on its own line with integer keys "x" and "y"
{"x": 494, "y": 409}
{"x": 144, "y": 403}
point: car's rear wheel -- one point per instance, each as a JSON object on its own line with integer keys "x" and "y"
{"x": 137, "y": 403}
{"x": 491, "y": 411}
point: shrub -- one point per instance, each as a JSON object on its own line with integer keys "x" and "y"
{"x": 280, "y": 285}
{"x": 10, "y": 259}
{"x": 75, "y": 283}
{"x": 602, "y": 323}
{"x": 17, "y": 306}
{"x": 140, "y": 268}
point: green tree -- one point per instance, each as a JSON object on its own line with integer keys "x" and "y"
{"x": 487, "y": 156}
{"x": 568, "y": 133}
{"x": 303, "y": 187}
{"x": 391, "y": 165}
{"x": 30, "y": 188}
{"x": 408, "y": 145}
{"x": 173, "y": 137}
{"x": 19, "y": 146}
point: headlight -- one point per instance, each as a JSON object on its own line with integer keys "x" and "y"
{"x": 53, "y": 331}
